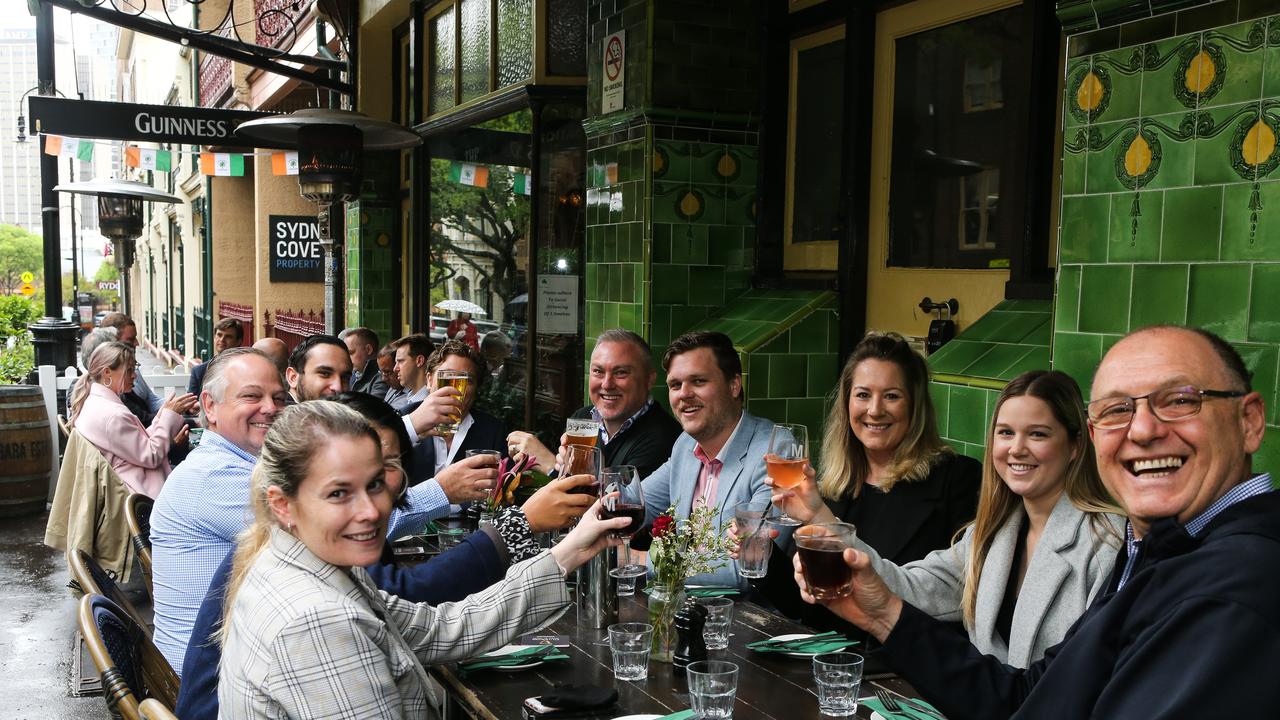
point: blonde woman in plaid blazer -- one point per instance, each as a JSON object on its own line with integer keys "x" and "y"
{"x": 307, "y": 635}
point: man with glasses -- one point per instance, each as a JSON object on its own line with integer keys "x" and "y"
{"x": 1187, "y": 624}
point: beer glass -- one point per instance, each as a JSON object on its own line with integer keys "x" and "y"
{"x": 458, "y": 380}
{"x": 788, "y": 453}
{"x": 584, "y": 460}
{"x": 821, "y": 549}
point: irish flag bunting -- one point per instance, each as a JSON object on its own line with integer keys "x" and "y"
{"x": 148, "y": 158}
{"x": 469, "y": 174}
{"x": 522, "y": 183}
{"x": 68, "y": 147}
{"x": 284, "y": 163}
{"x": 230, "y": 164}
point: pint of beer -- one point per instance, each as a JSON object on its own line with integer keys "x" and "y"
{"x": 584, "y": 460}
{"x": 459, "y": 380}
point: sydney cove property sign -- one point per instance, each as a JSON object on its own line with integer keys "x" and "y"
{"x": 295, "y": 253}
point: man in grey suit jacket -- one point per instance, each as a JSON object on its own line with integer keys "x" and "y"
{"x": 719, "y": 458}
{"x": 366, "y": 377}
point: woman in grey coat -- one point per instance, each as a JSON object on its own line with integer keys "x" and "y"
{"x": 1044, "y": 539}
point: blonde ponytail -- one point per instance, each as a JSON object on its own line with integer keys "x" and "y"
{"x": 107, "y": 356}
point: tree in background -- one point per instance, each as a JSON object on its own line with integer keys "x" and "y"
{"x": 20, "y": 252}
{"x": 17, "y": 358}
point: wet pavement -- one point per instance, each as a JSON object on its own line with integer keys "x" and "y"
{"x": 37, "y": 628}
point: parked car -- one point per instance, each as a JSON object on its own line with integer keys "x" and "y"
{"x": 438, "y": 325}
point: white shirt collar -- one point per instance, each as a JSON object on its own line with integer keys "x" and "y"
{"x": 445, "y": 455}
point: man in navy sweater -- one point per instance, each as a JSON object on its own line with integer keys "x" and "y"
{"x": 1188, "y": 624}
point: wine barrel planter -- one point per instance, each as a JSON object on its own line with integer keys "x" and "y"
{"x": 26, "y": 450}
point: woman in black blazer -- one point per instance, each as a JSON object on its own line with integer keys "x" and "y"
{"x": 884, "y": 469}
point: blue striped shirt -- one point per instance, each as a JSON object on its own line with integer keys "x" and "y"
{"x": 1252, "y": 487}
{"x": 202, "y": 507}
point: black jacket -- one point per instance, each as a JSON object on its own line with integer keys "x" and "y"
{"x": 1193, "y": 633}
{"x": 370, "y": 381}
{"x": 486, "y": 433}
{"x": 645, "y": 445}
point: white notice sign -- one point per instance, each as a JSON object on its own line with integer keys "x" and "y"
{"x": 558, "y": 304}
{"x": 615, "y": 55}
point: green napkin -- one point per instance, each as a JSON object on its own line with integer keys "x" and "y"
{"x": 682, "y": 715}
{"x": 907, "y": 712}
{"x": 705, "y": 592}
{"x": 541, "y": 653}
{"x": 830, "y": 641}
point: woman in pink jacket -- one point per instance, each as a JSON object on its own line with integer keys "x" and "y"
{"x": 138, "y": 454}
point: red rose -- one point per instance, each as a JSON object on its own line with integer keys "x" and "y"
{"x": 662, "y": 525}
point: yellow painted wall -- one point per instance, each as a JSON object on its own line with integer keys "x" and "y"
{"x": 277, "y": 195}
{"x": 894, "y": 293}
{"x": 233, "y": 241}
{"x": 377, "y": 19}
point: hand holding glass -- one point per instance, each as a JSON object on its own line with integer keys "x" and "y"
{"x": 821, "y": 548}
{"x": 458, "y": 380}
{"x": 788, "y": 453}
{"x": 621, "y": 496}
{"x": 754, "y": 520}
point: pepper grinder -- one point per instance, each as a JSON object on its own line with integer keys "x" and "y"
{"x": 690, "y": 646}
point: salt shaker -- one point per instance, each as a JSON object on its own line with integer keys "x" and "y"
{"x": 690, "y": 647}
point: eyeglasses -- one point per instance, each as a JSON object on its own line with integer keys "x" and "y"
{"x": 1170, "y": 404}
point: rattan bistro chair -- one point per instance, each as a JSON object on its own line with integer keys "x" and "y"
{"x": 153, "y": 709}
{"x": 137, "y": 511}
{"x": 93, "y": 580}
{"x": 131, "y": 666}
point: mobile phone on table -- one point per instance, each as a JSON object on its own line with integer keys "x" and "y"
{"x": 534, "y": 710}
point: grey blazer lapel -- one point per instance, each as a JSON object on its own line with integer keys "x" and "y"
{"x": 1052, "y": 570}
{"x": 736, "y": 456}
{"x": 995, "y": 579}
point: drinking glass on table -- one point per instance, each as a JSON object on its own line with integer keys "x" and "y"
{"x": 713, "y": 685}
{"x": 838, "y": 677}
{"x": 821, "y": 549}
{"x": 715, "y": 631}
{"x": 788, "y": 453}
{"x": 622, "y": 496}
{"x": 754, "y": 521}
{"x": 458, "y": 380}
{"x": 630, "y": 643}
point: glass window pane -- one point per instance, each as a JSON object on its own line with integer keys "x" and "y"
{"x": 959, "y": 119}
{"x": 567, "y": 37}
{"x": 441, "y": 68}
{"x": 475, "y": 48}
{"x": 818, "y": 150}
{"x": 515, "y": 41}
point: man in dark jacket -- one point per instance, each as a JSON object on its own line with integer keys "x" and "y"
{"x": 362, "y": 344}
{"x": 1187, "y": 625}
{"x": 634, "y": 430}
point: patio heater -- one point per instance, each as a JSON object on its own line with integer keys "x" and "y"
{"x": 331, "y": 146}
{"x": 120, "y": 217}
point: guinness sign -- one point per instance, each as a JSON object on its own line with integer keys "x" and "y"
{"x": 139, "y": 123}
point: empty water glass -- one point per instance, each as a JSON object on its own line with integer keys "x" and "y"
{"x": 451, "y": 538}
{"x": 838, "y": 677}
{"x": 719, "y": 614}
{"x": 630, "y": 645}
{"x": 754, "y": 541}
{"x": 627, "y": 584}
{"x": 713, "y": 685}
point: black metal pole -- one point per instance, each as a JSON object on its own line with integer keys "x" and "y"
{"x": 75, "y": 268}
{"x": 53, "y": 337}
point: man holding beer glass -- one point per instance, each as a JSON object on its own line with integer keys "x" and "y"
{"x": 622, "y": 419}
{"x": 457, "y": 370}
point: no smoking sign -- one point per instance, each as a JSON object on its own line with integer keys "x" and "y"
{"x": 614, "y": 62}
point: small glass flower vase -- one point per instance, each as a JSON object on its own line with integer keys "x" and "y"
{"x": 664, "y": 603}
{"x": 486, "y": 518}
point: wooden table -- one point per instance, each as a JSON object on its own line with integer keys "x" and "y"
{"x": 770, "y": 685}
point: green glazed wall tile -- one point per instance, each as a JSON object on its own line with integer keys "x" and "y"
{"x": 972, "y": 450}
{"x": 1177, "y": 154}
{"x": 1158, "y": 97}
{"x": 1268, "y": 456}
{"x": 1037, "y": 358}
{"x": 671, "y": 284}
{"x": 1213, "y": 154}
{"x": 1241, "y": 239}
{"x": 767, "y": 408}
{"x": 1077, "y": 355}
{"x": 1100, "y": 174}
{"x": 1192, "y": 224}
{"x": 787, "y": 376}
{"x": 955, "y": 356}
{"x": 1085, "y": 220}
{"x": 706, "y": 285}
{"x": 1104, "y": 298}
{"x": 1219, "y": 299}
{"x": 824, "y": 374}
{"x": 1271, "y": 65}
{"x": 1128, "y": 242}
{"x": 1069, "y": 95}
{"x": 1261, "y": 361}
{"x": 967, "y": 413}
{"x": 1264, "y": 305}
{"x": 1066, "y": 306}
{"x": 810, "y": 412}
{"x": 674, "y": 162}
{"x": 1159, "y": 295}
{"x": 810, "y": 334}
{"x": 993, "y": 363}
{"x": 940, "y": 394}
{"x": 1242, "y": 68}
{"x": 1124, "y": 68}
{"x": 1073, "y": 171}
